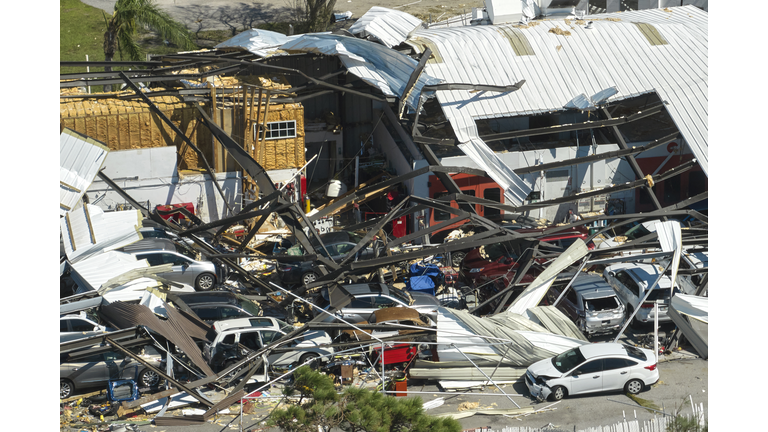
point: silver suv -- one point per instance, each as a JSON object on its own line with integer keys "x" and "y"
{"x": 631, "y": 282}
{"x": 592, "y": 304}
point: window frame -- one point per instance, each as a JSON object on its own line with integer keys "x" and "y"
{"x": 278, "y": 128}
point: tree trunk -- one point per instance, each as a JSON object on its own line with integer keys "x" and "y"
{"x": 110, "y": 46}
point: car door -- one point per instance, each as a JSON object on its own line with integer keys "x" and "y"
{"x": 618, "y": 281}
{"x": 616, "y": 372}
{"x": 360, "y": 309}
{"x": 279, "y": 359}
{"x": 587, "y": 378}
{"x": 183, "y": 269}
{"x": 86, "y": 372}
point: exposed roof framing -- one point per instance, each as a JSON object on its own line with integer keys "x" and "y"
{"x": 609, "y": 122}
{"x": 642, "y": 182}
{"x": 181, "y": 134}
{"x": 597, "y": 157}
{"x": 80, "y": 79}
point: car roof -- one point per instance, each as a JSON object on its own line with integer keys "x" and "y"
{"x": 208, "y": 297}
{"x": 592, "y": 286}
{"x": 371, "y": 288}
{"x": 602, "y": 349}
{"x": 647, "y": 273}
{"x": 245, "y": 323}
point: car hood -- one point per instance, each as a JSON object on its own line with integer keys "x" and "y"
{"x": 544, "y": 368}
{"x": 314, "y": 338}
{"x": 473, "y": 259}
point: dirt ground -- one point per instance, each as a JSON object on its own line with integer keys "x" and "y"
{"x": 234, "y": 15}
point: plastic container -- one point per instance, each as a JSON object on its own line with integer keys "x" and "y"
{"x": 335, "y": 188}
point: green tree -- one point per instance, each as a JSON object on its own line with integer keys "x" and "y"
{"x": 121, "y": 29}
{"x": 355, "y": 410}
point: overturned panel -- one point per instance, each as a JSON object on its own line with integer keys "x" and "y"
{"x": 389, "y": 26}
{"x": 691, "y": 315}
{"x": 176, "y": 329}
{"x": 88, "y": 230}
{"x": 80, "y": 159}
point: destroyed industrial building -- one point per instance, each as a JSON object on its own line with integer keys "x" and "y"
{"x": 409, "y": 192}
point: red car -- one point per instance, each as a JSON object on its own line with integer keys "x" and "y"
{"x": 499, "y": 260}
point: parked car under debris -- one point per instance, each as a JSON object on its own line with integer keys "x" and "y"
{"x": 591, "y": 304}
{"x": 93, "y": 371}
{"x": 499, "y": 261}
{"x": 255, "y": 333}
{"x": 368, "y": 298}
{"x": 202, "y": 275}
{"x": 632, "y": 281}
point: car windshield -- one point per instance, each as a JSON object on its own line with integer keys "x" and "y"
{"x": 250, "y": 307}
{"x": 601, "y": 304}
{"x": 498, "y": 250}
{"x": 568, "y": 360}
{"x": 660, "y": 294}
{"x": 635, "y": 353}
{"x": 284, "y": 326}
{"x": 636, "y": 232}
{"x": 401, "y": 295}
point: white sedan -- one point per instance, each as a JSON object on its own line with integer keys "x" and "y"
{"x": 592, "y": 368}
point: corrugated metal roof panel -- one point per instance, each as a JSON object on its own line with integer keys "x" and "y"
{"x": 100, "y": 268}
{"x": 87, "y": 231}
{"x": 389, "y": 26}
{"x": 614, "y": 53}
{"x": 80, "y": 159}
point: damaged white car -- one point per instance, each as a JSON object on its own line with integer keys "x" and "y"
{"x": 592, "y": 368}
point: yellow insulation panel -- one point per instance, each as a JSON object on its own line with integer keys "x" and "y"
{"x": 129, "y": 124}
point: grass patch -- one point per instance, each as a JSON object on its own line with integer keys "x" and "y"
{"x": 82, "y": 33}
{"x": 645, "y": 403}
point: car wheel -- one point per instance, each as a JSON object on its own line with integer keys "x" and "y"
{"x": 634, "y": 323}
{"x": 205, "y": 282}
{"x": 457, "y": 257}
{"x": 66, "y": 389}
{"x": 149, "y": 378}
{"x": 558, "y": 393}
{"x": 308, "y": 277}
{"x": 634, "y": 386}
{"x": 304, "y": 358}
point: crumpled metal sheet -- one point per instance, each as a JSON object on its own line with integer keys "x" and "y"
{"x": 555, "y": 321}
{"x": 260, "y": 42}
{"x": 379, "y": 66}
{"x": 516, "y": 189}
{"x": 527, "y": 342}
{"x": 87, "y": 231}
{"x": 177, "y": 329}
{"x": 532, "y": 295}
{"x": 80, "y": 159}
{"x": 389, "y": 26}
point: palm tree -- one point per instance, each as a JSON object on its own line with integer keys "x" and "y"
{"x": 121, "y": 29}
